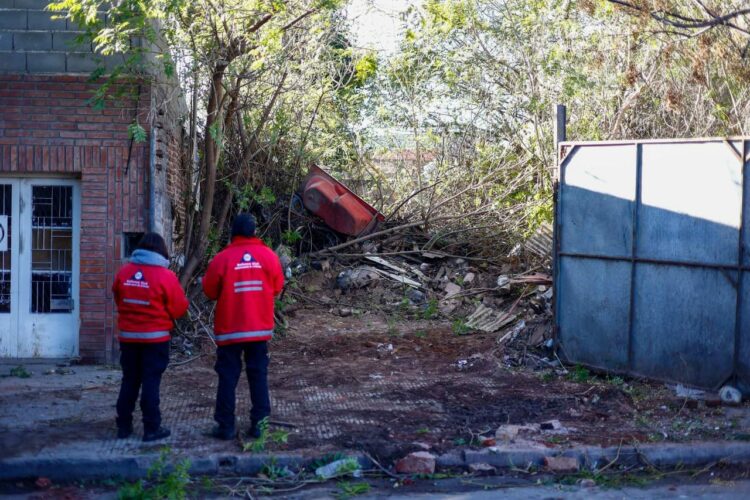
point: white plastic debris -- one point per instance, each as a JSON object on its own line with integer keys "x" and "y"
{"x": 730, "y": 395}
{"x": 339, "y": 468}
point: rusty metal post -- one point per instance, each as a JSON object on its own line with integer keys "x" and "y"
{"x": 561, "y": 118}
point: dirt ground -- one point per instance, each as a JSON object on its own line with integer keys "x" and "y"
{"x": 418, "y": 381}
{"x": 384, "y": 384}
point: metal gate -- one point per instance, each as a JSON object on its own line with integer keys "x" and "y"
{"x": 652, "y": 260}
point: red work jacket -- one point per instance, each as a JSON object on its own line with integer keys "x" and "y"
{"x": 149, "y": 298}
{"x": 244, "y": 279}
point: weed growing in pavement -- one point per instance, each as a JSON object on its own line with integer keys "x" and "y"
{"x": 273, "y": 471}
{"x": 392, "y": 328}
{"x": 548, "y": 376}
{"x": 158, "y": 483}
{"x": 348, "y": 489}
{"x": 20, "y": 371}
{"x": 259, "y": 444}
{"x": 609, "y": 480}
{"x": 420, "y": 334}
{"x": 404, "y": 306}
{"x": 460, "y": 327}
{"x": 431, "y": 309}
{"x": 423, "y": 430}
{"x": 579, "y": 374}
{"x": 616, "y": 381}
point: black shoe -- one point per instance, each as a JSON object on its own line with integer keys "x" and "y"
{"x": 223, "y": 433}
{"x": 254, "y": 431}
{"x": 160, "y": 433}
{"x": 124, "y": 432}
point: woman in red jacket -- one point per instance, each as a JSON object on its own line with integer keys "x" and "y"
{"x": 149, "y": 298}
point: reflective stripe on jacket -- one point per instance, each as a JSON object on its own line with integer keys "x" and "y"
{"x": 244, "y": 279}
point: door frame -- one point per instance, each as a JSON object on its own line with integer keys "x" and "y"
{"x": 21, "y": 264}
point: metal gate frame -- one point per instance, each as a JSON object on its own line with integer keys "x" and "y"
{"x": 742, "y": 267}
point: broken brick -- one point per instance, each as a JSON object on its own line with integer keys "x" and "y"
{"x": 420, "y": 462}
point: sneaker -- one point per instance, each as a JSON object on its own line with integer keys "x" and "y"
{"x": 124, "y": 432}
{"x": 160, "y": 433}
{"x": 223, "y": 433}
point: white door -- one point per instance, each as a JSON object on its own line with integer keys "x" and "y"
{"x": 39, "y": 271}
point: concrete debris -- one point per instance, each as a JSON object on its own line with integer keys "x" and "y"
{"x": 399, "y": 279}
{"x": 551, "y": 425}
{"x": 586, "y": 483}
{"x": 561, "y": 464}
{"x": 422, "y": 446}
{"x": 358, "y": 277}
{"x": 285, "y": 258}
{"x": 345, "y": 312}
{"x": 415, "y": 296}
{"x": 488, "y": 320}
{"x": 469, "y": 278}
{"x": 503, "y": 283}
{"x": 385, "y": 348}
{"x": 451, "y": 289}
{"x": 419, "y": 462}
{"x": 509, "y": 432}
{"x": 513, "y": 333}
{"x": 689, "y": 393}
{"x": 482, "y": 468}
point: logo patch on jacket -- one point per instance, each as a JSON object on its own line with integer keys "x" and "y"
{"x": 248, "y": 262}
{"x": 138, "y": 280}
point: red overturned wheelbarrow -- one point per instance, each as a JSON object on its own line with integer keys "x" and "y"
{"x": 341, "y": 209}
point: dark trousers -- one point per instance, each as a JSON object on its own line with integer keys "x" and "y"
{"x": 142, "y": 367}
{"x": 229, "y": 367}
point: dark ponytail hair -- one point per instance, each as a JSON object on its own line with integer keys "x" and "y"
{"x": 155, "y": 243}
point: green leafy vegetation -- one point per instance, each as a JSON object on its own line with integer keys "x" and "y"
{"x": 580, "y": 374}
{"x": 348, "y": 489}
{"x": 159, "y": 484}
{"x": 20, "y": 371}
{"x": 460, "y": 327}
{"x": 267, "y": 436}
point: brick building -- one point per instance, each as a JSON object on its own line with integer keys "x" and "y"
{"x": 75, "y": 191}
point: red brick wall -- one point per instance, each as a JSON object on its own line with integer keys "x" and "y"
{"x": 47, "y": 128}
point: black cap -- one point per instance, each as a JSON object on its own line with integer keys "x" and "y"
{"x": 243, "y": 225}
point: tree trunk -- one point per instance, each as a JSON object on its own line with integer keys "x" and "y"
{"x": 211, "y": 152}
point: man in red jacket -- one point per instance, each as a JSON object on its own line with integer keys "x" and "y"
{"x": 244, "y": 279}
{"x": 149, "y": 298}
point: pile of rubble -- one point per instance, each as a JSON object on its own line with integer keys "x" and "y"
{"x": 511, "y": 299}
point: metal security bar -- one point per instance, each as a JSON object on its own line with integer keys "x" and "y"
{"x": 6, "y": 207}
{"x": 52, "y": 249}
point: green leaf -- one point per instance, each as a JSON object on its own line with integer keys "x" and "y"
{"x": 136, "y": 132}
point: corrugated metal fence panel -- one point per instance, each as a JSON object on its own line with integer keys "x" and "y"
{"x": 599, "y": 180}
{"x": 648, "y": 260}
{"x": 743, "y": 351}
{"x": 593, "y": 308}
{"x": 690, "y": 203}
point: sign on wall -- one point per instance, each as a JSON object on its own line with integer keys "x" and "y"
{"x": 3, "y": 233}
